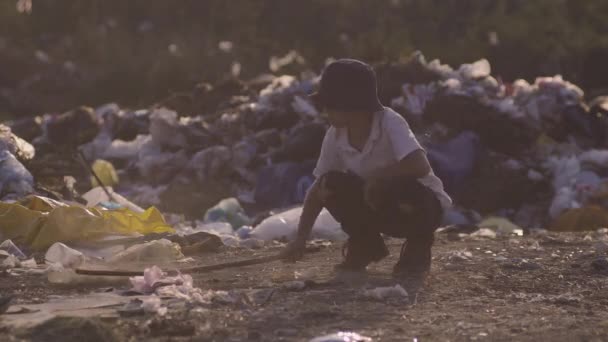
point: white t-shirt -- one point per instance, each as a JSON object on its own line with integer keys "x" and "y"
{"x": 390, "y": 140}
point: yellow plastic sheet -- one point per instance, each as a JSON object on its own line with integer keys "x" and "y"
{"x": 40, "y": 222}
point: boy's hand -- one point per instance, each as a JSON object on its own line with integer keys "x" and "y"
{"x": 294, "y": 250}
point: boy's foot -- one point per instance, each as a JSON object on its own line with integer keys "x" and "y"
{"x": 358, "y": 255}
{"x": 414, "y": 261}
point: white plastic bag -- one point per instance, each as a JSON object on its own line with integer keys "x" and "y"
{"x": 285, "y": 225}
{"x": 63, "y": 255}
{"x": 157, "y": 250}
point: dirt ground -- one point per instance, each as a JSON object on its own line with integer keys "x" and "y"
{"x": 533, "y": 288}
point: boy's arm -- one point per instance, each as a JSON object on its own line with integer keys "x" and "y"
{"x": 312, "y": 208}
{"x": 415, "y": 165}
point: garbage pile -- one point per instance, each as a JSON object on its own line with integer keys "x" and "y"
{"x": 225, "y": 158}
{"x": 531, "y": 153}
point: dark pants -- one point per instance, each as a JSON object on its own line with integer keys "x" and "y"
{"x": 404, "y": 209}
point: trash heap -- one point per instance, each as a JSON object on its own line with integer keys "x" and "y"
{"x": 222, "y": 158}
{"x": 531, "y": 153}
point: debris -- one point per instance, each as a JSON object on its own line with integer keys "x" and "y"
{"x": 11, "y": 249}
{"x": 502, "y": 226}
{"x": 58, "y": 275}
{"x": 10, "y": 262}
{"x": 81, "y": 123}
{"x": 228, "y": 210}
{"x": 485, "y": 233}
{"x": 161, "y": 250}
{"x": 43, "y": 222}
{"x": 30, "y": 263}
{"x": 152, "y": 304}
{"x": 15, "y": 179}
{"x": 391, "y": 292}
{"x": 259, "y": 297}
{"x": 15, "y": 145}
{"x": 342, "y": 337}
{"x": 153, "y": 278}
{"x": 284, "y": 226}
{"x": 454, "y": 161}
{"x": 132, "y": 308}
{"x": 283, "y": 184}
{"x": 65, "y": 256}
{"x": 460, "y": 256}
{"x": 106, "y": 173}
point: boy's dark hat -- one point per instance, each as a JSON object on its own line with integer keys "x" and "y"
{"x": 348, "y": 85}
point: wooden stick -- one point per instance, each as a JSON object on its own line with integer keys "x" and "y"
{"x": 195, "y": 269}
{"x": 206, "y": 268}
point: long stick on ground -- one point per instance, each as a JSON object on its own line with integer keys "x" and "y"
{"x": 195, "y": 269}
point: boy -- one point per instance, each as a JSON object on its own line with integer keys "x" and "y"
{"x": 372, "y": 176}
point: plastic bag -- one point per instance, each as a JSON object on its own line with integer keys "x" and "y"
{"x": 284, "y": 226}
{"x": 228, "y": 210}
{"x": 63, "y": 255}
{"x": 9, "y": 247}
{"x": 39, "y": 223}
{"x": 479, "y": 69}
{"x": 97, "y": 196}
{"x": 127, "y": 150}
{"x": 158, "y": 250}
{"x": 15, "y": 145}
{"x": 501, "y": 226}
{"x": 106, "y": 173}
{"x": 342, "y": 337}
{"x": 382, "y": 293}
{"x": 15, "y": 179}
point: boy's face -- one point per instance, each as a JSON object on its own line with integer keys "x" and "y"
{"x": 339, "y": 119}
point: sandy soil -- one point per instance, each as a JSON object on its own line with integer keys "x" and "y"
{"x": 541, "y": 288}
